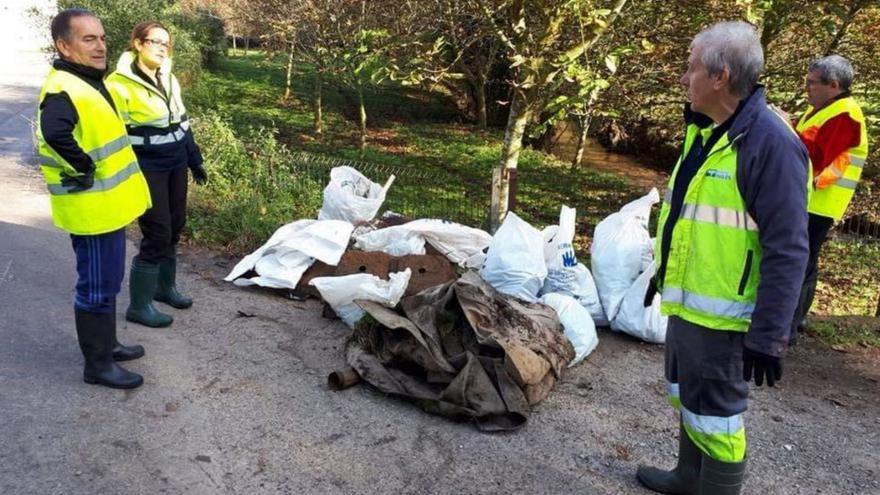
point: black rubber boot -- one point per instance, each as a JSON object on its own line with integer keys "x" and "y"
{"x": 142, "y": 284}
{"x": 166, "y": 291}
{"x": 95, "y": 333}
{"x": 721, "y": 478}
{"x": 684, "y": 478}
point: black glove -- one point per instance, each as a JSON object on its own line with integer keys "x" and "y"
{"x": 200, "y": 175}
{"x": 651, "y": 292}
{"x": 77, "y": 183}
{"x": 764, "y": 365}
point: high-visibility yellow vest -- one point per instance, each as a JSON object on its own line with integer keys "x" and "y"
{"x": 833, "y": 200}
{"x": 712, "y": 271}
{"x": 142, "y": 104}
{"x": 120, "y": 193}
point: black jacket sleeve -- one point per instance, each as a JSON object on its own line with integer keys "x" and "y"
{"x": 58, "y": 117}
{"x": 774, "y": 183}
{"x": 193, "y": 153}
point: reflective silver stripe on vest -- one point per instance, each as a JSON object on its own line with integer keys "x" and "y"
{"x": 108, "y": 149}
{"x": 667, "y": 195}
{"x": 719, "y": 216}
{"x": 100, "y": 184}
{"x": 856, "y": 161}
{"x": 48, "y": 161}
{"x": 846, "y": 183}
{"x": 712, "y": 425}
{"x": 707, "y": 304}
{"x": 672, "y": 390}
{"x": 169, "y": 137}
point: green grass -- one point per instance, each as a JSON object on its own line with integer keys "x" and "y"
{"x": 849, "y": 278}
{"x": 842, "y": 332}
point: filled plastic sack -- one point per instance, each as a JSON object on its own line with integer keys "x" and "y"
{"x": 635, "y": 319}
{"x": 341, "y": 292}
{"x": 579, "y": 327}
{"x": 515, "y": 262}
{"x": 351, "y": 196}
{"x": 622, "y": 250}
{"x": 291, "y": 250}
{"x": 576, "y": 281}
{"x": 460, "y": 244}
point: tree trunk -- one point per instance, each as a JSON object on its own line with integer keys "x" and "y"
{"x": 247, "y": 44}
{"x": 363, "y": 119}
{"x": 582, "y": 140}
{"x": 289, "y": 73}
{"x": 234, "y": 46}
{"x": 480, "y": 93}
{"x": 877, "y": 313}
{"x": 513, "y": 135}
{"x": 316, "y": 104}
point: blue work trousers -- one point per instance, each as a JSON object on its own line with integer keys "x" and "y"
{"x": 100, "y": 265}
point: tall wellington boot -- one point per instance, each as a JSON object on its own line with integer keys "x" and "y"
{"x": 721, "y": 478}
{"x": 684, "y": 478}
{"x": 166, "y": 291}
{"x": 142, "y": 283}
{"x": 95, "y": 333}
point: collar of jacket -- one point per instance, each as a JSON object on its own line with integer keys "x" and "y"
{"x": 129, "y": 57}
{"x": 743, "y": 118}
{"x": 83, "y": 71}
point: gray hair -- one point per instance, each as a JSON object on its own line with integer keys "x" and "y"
{"x": 734, "y": 46}
{"x": 833, "y": 68}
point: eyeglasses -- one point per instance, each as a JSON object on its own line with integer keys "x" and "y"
{"x": 154, "y": 41}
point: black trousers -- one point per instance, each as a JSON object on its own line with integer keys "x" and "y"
{"x": 818, "y": 228}
{"x": 161, "y": 225}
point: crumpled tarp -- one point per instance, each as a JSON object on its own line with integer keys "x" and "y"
{"x": 463, "y": 350}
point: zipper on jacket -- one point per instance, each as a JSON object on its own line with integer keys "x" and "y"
{"x": 746, "y": 272}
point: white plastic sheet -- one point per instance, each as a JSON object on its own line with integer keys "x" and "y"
{"x": 351, "y": 196}
{"x": 460, "y": 244}
{"x": 622, "y": 250}
{"x": 291, "y": 250}
{"x": 635, "y": 319}
{"x": 341, "y": 292}
{"x": 515, "y": 262}
{"x": 579, "y": 327}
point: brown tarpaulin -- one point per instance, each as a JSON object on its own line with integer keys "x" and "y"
{"x": 463, "y": 350}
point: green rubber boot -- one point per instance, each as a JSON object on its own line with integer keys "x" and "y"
{"x": 142, "y": 284}
{"x": 721, "y": 478}
{"x": 684, "y": 478}
{"x": 166, "y": 290}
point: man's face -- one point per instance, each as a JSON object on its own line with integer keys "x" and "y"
{"x": 819, "y": 93}
{"x": 702, "y": 89}
{"x": 86, "y": 45}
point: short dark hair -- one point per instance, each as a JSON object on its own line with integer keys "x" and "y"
{"x": 61, "y": 22}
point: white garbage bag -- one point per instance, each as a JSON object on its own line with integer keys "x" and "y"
{"x": 291, "y": 250}
{"x": 351, "y": 196}
{"x": 579, "y": 327}
{"x": 637, "y": 320}
{"x": 515, "y": 261}
{"x": 457, "y": 242}
{"x": 341, "y": 292}
{"x": 576, "y": 281}
{"x": 622, "y": 250}
{"x": 559, "y": 241}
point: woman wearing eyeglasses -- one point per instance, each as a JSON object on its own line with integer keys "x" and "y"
{"x": 147, "y": 96}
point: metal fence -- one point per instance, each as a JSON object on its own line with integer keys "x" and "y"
{"x": 423, "y": 193}
{"x": 416, "y": 193}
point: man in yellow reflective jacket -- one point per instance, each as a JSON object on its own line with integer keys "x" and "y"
{"x": 95, "y": 185}
{"x": 833, "y": 130}
{"x": 731, "y": 250}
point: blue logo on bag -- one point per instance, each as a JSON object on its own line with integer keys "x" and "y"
{"x": 569, "y": 259}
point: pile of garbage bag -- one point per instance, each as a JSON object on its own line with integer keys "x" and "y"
{"x": 467, "y": 324}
